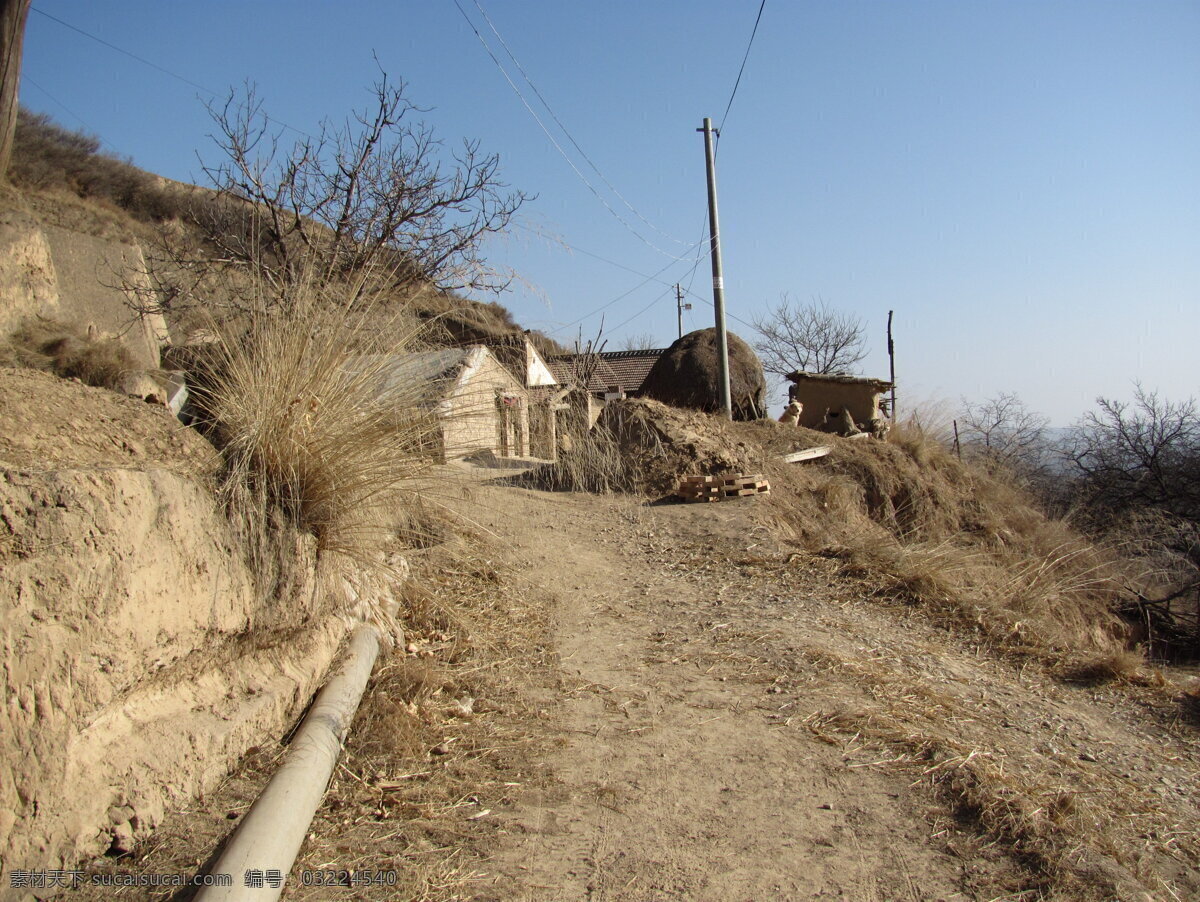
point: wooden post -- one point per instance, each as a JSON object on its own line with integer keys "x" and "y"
{"x": 892, "y": 366}
{"x": 13, "y": 14}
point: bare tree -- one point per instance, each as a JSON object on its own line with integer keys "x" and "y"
{"x": 372, "y": 202}
{"x": 811, "y": 338}
{"x": 1140, "y": 455}
{"x": 1136, "y": 470}
{"x": 1003, "y": 430}
{"x": 643, "y": 342}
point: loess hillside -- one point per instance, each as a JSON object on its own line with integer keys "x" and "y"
{"x": 66, "y": 181}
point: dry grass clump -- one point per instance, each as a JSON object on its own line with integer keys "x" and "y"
{"x": 1122, "y": 666}
{"x": 47, "y": 344}
{"x": 918, "y": 526}
{"x": 312, "y": 442}
{"x": 594, "y": 463}
{"x": 642, "y": 446}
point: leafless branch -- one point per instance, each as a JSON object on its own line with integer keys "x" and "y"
{"x": 811, "y": 338}
{"x": 373, "y": 202}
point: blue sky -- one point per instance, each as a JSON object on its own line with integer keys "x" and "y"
{"x": 1019, "y": 181}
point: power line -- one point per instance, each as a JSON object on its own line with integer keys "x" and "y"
{"x": 645, "y": 279}
{"x": 145, "y": 62}
{"x": 587, "y": 253}
{"x": 619, "y": 297}
{"x": 130, "y": 54}
{"x": 742, "y": 69}
{"x": 554, "y": 141}
{"x": 565, "y": 131}
{"x": 26, "y": 79}
{"x": 640, "y": 312}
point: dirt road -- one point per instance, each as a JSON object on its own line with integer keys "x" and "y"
{"x": 682, "y": 777}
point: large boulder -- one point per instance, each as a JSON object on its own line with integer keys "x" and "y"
{"x": 687, "y": 375}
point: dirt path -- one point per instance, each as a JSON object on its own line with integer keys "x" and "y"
{"x": 673, "y": 784}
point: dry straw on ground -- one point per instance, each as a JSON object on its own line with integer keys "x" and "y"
{"x": 445, "y": 735}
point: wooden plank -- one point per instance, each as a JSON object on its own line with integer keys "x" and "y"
{"x": 807, "y": 454}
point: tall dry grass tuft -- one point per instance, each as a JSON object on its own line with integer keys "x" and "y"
{"x": 594, "y": 463}
{"x": 315, "y": 437}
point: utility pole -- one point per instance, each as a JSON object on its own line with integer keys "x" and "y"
{"x": 718, "y": 281}
{"x": 680, "y": 306}
{"x": 12, "y": 36}
{"x": 892, "y": 367}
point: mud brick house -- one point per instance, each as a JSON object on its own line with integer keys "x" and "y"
{"x": 544, "y": 390}
{"x": 824, "y": 393}
{"x": 475, "y": 402}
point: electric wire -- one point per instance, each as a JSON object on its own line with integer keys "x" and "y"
{"x": 130, "y": 54}
{"x": 619, "y": 297}
{"x": 645, "y": 309}
{"x": 716, "y": 147}
{"x": 565, "y": 130}
{"x": 26, "y": 79}
{"x": 579, "y": 250}
{"x": 557, "y": 146}
{"x": 742, "y": 69}
{"x": 145, "y": 62}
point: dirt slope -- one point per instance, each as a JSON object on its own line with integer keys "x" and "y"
{"x": 675, "y": 784}
{"x": 136, "y": 661}
{"x": 739, "y": 725}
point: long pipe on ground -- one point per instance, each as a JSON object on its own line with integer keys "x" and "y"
{"x": 264, "y": 846}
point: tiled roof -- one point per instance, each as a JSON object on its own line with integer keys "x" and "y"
{"x": 627, "y": 369}
{"x": 632, "y": 367}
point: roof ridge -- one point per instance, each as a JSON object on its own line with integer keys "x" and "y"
{"x": 644, "y": 352}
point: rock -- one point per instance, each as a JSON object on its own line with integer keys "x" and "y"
{"x": 139, "y": 384}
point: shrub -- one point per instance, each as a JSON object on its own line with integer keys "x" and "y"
{"x": 47, "y": 344}
{"x": 49, "y": 157}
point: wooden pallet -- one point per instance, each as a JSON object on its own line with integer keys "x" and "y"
{"x": 717, "y": 488}
{"x": 700, "y": 488}
{"x": 742, "y": 485}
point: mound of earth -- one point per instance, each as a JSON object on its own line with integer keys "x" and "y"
{"x": 137, "y": 660}
{"x": 646, "y": 447}
{"x": 65, "y": 424}
{"x": 688, "y": 375}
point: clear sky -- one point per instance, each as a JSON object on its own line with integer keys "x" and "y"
{"x": 1019, "y": 181}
